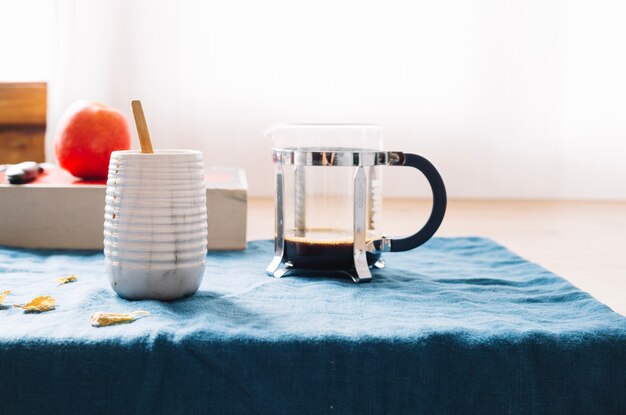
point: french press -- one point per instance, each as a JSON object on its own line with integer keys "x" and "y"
{"x": 329, "y": 199}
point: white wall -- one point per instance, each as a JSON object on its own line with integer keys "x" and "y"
{"x": 25, "y": 40}
{"x": 513, "y": 99}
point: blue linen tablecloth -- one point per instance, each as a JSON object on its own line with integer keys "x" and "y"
{"x": 459, "y": 325}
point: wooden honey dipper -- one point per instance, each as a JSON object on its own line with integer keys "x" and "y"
{"x": 142, "y": 127}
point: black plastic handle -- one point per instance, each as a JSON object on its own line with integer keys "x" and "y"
{"x": 439, "y": 204}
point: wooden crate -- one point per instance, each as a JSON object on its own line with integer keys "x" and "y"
{"x": 22, "y": 121}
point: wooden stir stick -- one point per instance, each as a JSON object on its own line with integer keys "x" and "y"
{"x": 142, "y": 127}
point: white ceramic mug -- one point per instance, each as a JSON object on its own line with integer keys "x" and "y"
{"x": 155, "y": 224}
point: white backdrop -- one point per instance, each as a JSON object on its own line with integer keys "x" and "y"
{"x": 509, "y": 99}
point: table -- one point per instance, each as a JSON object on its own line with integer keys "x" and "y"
{"x": 460, "y": 325}
{"x": 582, "y": 241}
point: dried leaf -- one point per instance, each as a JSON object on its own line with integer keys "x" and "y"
{"x": 3, "y": 296}
{"x": 65, "y": 280}
{"x": 43, "y": 303}
{"x": 101, "y": 319}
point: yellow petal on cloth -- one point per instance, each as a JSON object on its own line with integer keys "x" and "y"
{"x": 43, "y": 303}
{"x": 101, "y": 319}
{"x": 65, "y": 280}
{"x": 3, "y": 296}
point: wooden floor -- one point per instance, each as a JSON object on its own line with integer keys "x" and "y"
{"x": 584, "y": 242}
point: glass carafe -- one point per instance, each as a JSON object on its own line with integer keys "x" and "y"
{"x": 329, "y": 199}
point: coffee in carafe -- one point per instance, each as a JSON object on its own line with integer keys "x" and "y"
{"x": 323, "y": 253}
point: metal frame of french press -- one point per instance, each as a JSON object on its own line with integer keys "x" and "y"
{"x": 359, "y": 159}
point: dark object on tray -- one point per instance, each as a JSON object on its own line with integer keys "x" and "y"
{"x": 23, "y": 172}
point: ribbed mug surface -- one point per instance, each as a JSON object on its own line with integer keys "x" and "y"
{"x": 155, "y": 224}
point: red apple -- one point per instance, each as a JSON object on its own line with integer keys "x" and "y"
{"x": 87, "y": 134}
